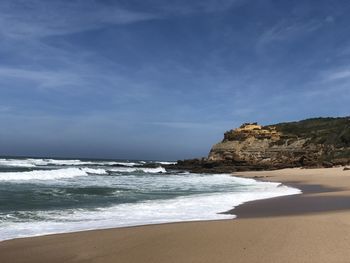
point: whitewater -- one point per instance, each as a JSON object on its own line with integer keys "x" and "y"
{"x": 46, "y": 196}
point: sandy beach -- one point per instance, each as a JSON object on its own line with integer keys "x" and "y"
{"x": 311, "y": 227}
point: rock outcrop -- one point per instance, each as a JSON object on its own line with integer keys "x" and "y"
{"x": 318, "y": 142}
{"x": 254, "y": 145}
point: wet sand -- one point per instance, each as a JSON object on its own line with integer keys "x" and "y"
{"x": 312, "y": 227}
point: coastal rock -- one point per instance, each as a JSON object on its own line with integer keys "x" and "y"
{"x": 255, "y": 145}
{"x": 318, "y": 142}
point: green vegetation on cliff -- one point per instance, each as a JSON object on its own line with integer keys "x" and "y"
{"x": 327, "y": 131}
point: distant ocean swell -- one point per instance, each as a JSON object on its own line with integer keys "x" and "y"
{"x": 57, "y": 196}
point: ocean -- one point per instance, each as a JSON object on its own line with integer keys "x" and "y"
{"x": 46, "y": 196}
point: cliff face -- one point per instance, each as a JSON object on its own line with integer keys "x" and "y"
{"x": 312, "y": 142}
{"x": 318, "y": 142}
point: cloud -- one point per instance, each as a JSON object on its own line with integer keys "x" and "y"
{"x": 43, "y": 78}
{"x": 186, "y": 125}
{"x": 5, "y": 109}
{"x": 37, "y": 18}
{"x": 115, "y": 89}
{"x": 339, "y": 74}
{"x": 180, "y": 7}
{"x": 286, "y": 30}
{"x": 330, "y": 19}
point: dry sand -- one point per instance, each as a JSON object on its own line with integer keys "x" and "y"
{"x": 312, "y": 227}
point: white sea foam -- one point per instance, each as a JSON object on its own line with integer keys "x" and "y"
{"x": 15, "y": 163}
{"x": 94, "y": 171}
{"x": 61, "y": 162}
{"x": 138, "y": 169}
{"x": 207, "y": 206}
{"x": 31, "y": 162}
{"x": 45, "y": 174}
{"x": 165, "y": 163}
{"x": 129, "y": 164}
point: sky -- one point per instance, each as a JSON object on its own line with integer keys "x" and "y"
{"x": 152, "y": 79}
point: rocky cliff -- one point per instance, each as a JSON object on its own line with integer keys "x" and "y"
{"x": 309, "y": 143}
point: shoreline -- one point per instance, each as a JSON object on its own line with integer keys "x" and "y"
{"x": 219, "y": 205}
{"x": 292, "y": 204}
{"x": 326, "y": 194}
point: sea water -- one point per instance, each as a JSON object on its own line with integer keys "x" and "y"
{"x": 46, "y": 196}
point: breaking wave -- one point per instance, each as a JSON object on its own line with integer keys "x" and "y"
{"x": 49, "y": 174}
{"x": 138, "y": 169}
{"x": 205, "y": 206}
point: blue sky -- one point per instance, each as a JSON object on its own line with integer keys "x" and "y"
{"x": 158, "y": 79}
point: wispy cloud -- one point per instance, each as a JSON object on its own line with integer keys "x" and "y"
{"x": 44, "y": 18}
{"x": 42, "y": 78}
{"x": 338, "y": 74}
{"x": 186, "y": 125}
{"x": 36, "y": 18}
{"x": 80, "y": 80}
{"x": 287, "y": 30}
{"x": 5, "y": 109}
{"x": 179, "y": 7}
